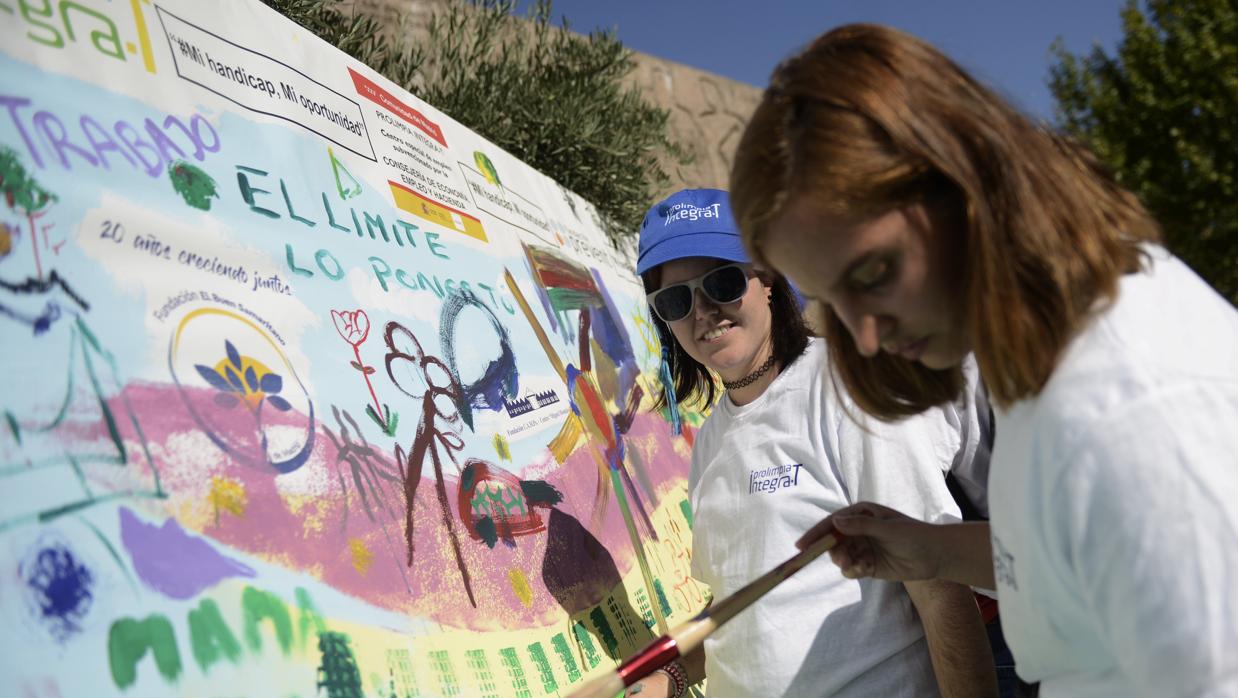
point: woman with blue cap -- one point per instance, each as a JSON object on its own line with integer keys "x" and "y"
{"x": 782, "y": 448}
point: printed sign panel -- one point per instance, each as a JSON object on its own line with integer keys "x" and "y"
{"x": 308, "y": 390}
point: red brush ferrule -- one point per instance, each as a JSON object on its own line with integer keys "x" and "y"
{"x": 654, "y": 656}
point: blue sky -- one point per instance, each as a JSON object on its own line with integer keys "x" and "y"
{"x": 1004, "y": 42}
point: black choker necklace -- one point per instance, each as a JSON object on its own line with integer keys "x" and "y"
{"x": 751, "y": 377}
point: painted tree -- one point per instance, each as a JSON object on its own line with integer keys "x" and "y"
{"x": 23, "y": 194}
{"x": 550, "y": 97}
{"x": 1162, "y": 111}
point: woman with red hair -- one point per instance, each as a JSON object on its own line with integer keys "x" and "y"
{"x": 931, "y": 220}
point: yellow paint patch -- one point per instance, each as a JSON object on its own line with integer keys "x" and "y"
{"x": 312, "y": 511}
{"x": 229, "y": 495}
{"x": 651, "y": 386}
{"x": 362, "y": 558}
{"x": 139, "y": 23}
{"x": 520, "y": 585}
{"x": 565, "y": 443}
{"x": 648, "y": 334}
{"x": 682, "y": 448}
{"x": 605, "y": 373}
{"x": 501, "y": 447}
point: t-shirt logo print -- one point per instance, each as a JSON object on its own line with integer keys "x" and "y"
{"x": 774, "y": 478}
{"x": 1003, "y": 565}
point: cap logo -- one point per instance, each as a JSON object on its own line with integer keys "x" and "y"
{"x": 692, "y": 212}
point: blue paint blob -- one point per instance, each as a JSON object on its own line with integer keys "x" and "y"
{"x": 60, "y": 589}
{"x": 500, "y": 382}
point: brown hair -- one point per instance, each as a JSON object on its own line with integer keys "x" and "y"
{"x": 867, "y": 120}
{"x": 692, "y": 380}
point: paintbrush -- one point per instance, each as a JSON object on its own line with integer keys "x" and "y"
{"x": 689, "y": 635}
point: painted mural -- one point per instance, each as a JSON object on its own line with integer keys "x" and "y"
{"x": 307, "y": 390}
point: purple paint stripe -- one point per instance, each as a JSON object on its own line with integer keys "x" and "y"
{"x": 172, "y": 562}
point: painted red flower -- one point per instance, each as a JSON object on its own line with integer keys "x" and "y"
{"x": 353, "y": 325}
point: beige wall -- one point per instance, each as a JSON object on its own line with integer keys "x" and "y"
{"x": 707, "y": 111}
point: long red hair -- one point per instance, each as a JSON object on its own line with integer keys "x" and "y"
{"x": 868, "y": 119}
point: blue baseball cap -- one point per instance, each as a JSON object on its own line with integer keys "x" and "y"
{"x": 689, "y": 223}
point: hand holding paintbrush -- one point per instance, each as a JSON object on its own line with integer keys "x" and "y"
{"x": 690, "y": 635}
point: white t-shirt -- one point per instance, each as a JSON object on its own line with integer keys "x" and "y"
{"x": 1114, "y": 500}
{"x": 972, "y": 416}
{"x": 762, "y": 474}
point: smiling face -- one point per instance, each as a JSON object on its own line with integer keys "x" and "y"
{"x": 732, "y": 339}
{"x": 893, "y": 279}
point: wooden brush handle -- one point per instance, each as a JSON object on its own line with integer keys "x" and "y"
{"x": 605, "y": 686}
{"x": 728, "y": 608}
{"x": 691, "y": 634}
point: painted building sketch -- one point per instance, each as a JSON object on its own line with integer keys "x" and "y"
{"x": 308, "y": 390}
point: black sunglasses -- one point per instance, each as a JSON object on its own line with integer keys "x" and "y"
{"x": 726, "y": 284}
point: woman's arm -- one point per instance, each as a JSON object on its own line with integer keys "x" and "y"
{"x": 958, "y": 646}
{"x": 658, "y": 684}
{"x": 886, "y": 544}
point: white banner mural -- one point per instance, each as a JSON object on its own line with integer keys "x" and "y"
{"x": 308, "y": 390}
